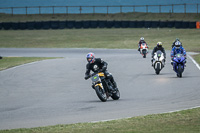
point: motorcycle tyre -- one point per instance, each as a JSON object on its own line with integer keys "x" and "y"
{"x": 116, "y": 95}
{"x": 144, "y": 54}
{"x": 102, "y": 95}
{"x": 179, "y": 74}
{"x": 158, "y": 69}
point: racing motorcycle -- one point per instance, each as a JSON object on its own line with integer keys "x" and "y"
{"x": 158, "y": 61}
{"x": 103, "y": 87}
{"x": 179, "y": 64}
{"x": 144, "y": 49}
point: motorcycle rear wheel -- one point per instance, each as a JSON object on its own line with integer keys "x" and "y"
{"x": 116, "y": 95}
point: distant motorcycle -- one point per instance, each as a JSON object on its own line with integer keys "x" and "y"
{"x": 158, "y": 61}
{"x": 179, "y": 64}
{"x": 103, "y": 87}
{"x": 144, "y": 49}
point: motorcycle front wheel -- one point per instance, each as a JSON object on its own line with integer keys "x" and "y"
{"x": 101, "y": 93}
{"x": 179, "y": 71}
{"x": 158, "y": 68}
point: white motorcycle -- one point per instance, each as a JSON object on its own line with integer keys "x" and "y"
{"x": 158, "y": 61}
{"x": 144, "y": 49}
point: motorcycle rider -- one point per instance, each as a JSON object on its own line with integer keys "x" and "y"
{"x": 177, "y": 40}
{"x": 158, "y": 47}
{"x": 140, "y": 42}
{"x": 177, "y": 49}
{"x": 97, "y": 65}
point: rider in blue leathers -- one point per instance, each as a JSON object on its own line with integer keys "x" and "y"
{"x": 177, "y": 49}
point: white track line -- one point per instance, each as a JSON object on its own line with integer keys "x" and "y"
{"x": 194, "y": 62}
{"x": 163, "y": 112}
{"x": 144, "y": 115}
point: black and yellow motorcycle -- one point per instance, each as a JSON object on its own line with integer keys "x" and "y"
{"x": 103, "y": 87}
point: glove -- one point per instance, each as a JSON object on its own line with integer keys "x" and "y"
{"x": 100, "y": 70}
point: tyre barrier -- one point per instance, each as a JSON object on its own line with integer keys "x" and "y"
{"x": 95, "y": 24}
{"x": 117, "y": 24}
{"x": 102, "y": 24}
{"x": 70, "y": 24}
{"x": 15, "y": 26}
{"x": 155, "y": 24}
{"x": 86, "y": 24}
{"x": 133, "y": 24}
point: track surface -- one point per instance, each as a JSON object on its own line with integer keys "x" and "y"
{"x": 54, "y": 91}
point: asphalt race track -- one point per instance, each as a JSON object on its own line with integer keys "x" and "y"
{"x": 54, "y": 91}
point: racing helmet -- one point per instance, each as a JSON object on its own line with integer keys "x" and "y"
{"x": 178, "y": 44}
{"x": 177, "y": 39}
{"x": 142, "y": 39}
{"x": 159, "y": 44}
{"x": 90, "y": 56}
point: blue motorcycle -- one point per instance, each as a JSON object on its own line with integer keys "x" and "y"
{"x": 178, "y": 64}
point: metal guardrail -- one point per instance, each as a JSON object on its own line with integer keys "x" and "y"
{"x": 94, "y": 9}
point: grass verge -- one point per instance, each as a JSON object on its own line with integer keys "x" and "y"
{"x": 186, "y": 121}
{"x": 126, "y": 38}
{"x": 8, "y": 62}
{"x": 197, "y": 58}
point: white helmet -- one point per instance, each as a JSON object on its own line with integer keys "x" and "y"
{"x": 142, "y": 39}
{"x": 178, "y": 44}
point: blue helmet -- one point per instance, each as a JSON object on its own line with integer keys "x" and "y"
{"x": 90, "y": 56}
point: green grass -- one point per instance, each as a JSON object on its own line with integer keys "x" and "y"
{"x": 99, "y": 38}
{"x": 8, "y": 62}
{"x": 117, "y": 16}
{"x": 197, "y": 58}
{"x": 186, "y": 121}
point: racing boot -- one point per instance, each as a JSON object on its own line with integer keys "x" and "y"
{"x": 152, "y": 62}
{"x": 93, "y": 87}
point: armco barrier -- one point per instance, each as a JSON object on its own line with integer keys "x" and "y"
{"x": 95, "y": 24}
